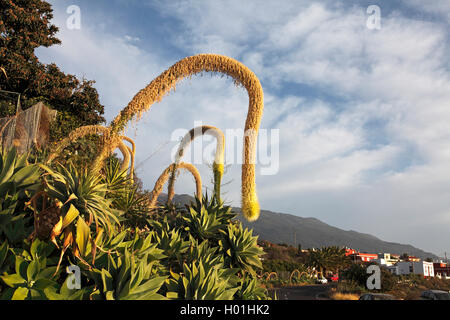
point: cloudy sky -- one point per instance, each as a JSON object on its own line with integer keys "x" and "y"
{"x": 363, "y": 114}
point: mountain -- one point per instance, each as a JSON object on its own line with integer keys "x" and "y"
{"x": 313, "y": 233}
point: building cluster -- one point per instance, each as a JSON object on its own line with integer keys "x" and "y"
{"x": 403, "y": 265}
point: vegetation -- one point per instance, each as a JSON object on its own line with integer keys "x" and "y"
{"x": 165, "y": 82}
{"x": 218, "y": 165}
{"x": 170, "y": 171}
{"x": 409, "y": 287}
{"x": 25, "y": 26}
{"x": 58, "y": 212}
{"x": 196, "y": 252}
{"x": 330, "y": 259}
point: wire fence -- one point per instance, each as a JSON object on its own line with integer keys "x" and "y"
{"x": 27, "y": 128}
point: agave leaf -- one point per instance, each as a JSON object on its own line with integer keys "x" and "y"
{"x": 3, "y": 252}
{"x": 13, "y": 280}
{"x": 20, "y": 294}
{"x": 70, "y": 216}
{"x": 21, "y": 267}
{"x": 83, "y": 235}
{"x": 144, "y": 291}
{"x": 42, "y": 284}
{"x": 8, "y": 166}
{"x": 26, "y": 175}
{"x": 32, "y": 270}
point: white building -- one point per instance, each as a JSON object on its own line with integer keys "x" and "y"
{"x": 393, "y": 270}
{"x": 386, "y": 259}
{"x": 412, "y": 267}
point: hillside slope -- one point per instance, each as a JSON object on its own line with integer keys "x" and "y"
{"x": 313, "y": 233}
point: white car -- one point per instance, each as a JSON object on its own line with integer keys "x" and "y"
{"x": 321, "y": 280}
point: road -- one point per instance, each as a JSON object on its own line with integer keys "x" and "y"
{"x": 310, "y": 292}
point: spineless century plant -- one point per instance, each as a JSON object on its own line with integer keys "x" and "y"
{"x": 132, "y": 152}
{"x": 112, "y": 142}
{"x": 218, "y": 165}
{"x": 187, "y": 67}
{"x": 165, "y": 176}
{"x": 76, "y": 134}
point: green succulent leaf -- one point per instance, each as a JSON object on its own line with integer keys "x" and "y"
{"x": 83, "y": 236}
{"x": 20, "y": 294}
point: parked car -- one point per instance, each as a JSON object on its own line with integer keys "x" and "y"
{"x": 321, "y": 280}
{"x": 435, "y": 295}
{"x": 377, "y": 296}
{"x": 333, "y": 278}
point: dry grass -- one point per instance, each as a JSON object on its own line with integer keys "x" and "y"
{"x": 344, "y": 296}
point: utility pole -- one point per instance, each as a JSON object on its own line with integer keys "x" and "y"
{"x": 446, "y": 263}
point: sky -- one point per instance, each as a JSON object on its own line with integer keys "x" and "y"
{"x": 362, "y": 113}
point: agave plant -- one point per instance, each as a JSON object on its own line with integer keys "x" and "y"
{"x": 240, "y": 249}
{"x": 31, "y": 277}
{"x": 165, "y": 82}
{"x": 126, "y": 278}
{"x": 203, "y": 251}
{"x": 125, "y": 195}
{"x": 18, "y": 179}
{"x": 202, "y": 281}
{"x": 218, "y": 166}
{"x": 172, "y": 244}
{"x": 201, "y": 223}
{"x": 251, "y": 289}
{"x": 84, "y": 190}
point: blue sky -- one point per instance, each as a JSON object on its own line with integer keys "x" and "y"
{"x": 363, "y": 114}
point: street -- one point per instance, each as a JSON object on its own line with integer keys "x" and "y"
{"x": 310, "y": 292}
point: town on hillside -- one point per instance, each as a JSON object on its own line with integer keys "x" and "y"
{"x": 404, "y": 264}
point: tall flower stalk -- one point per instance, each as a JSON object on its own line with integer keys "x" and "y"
{"x": 76, "y": 134}
{"x": 187, "y": 67}
{"x": 111, "y": 143}
{"x": 218, "y": 164}
{"x": 132, "y": 152}
{"x": 165, "y": 176}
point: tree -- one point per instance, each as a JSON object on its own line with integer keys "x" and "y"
{"x": 24, "y": 26}
{"x": 328, "y": 259}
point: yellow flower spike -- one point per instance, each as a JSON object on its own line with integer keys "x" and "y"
{"x": 165, "y": 176}
{"x": 131, "y": 164}
{"x": 110, "y": 143}
{"x": 250, "y": 207}
{"x": 126, "y": 156}
{"x": 74, "y": 136}
{"x": 218, "y": 166}
{"x": 187, "y": 67}
{"x": 132, "y": 152}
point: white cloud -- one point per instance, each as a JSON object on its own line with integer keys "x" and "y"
{"x": 117, "y": 64}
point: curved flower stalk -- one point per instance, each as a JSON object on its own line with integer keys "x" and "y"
{"x": 132, "y": 152}
{"x": 76, "y": 134}
{"x": 111, "y": 142}
{"x": 165, "y": 176}
{"x": 218, "y": 160}
{"x": 126, "y": 153}
{"x": 189, "y": 66}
